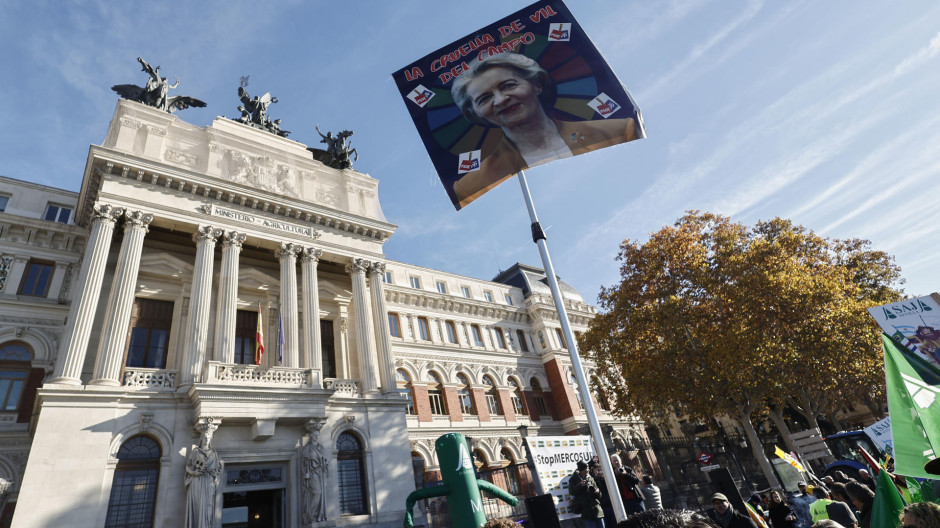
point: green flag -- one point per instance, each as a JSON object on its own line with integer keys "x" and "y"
{"x": 926, "y": 492}
{"x": 913, "y": 389}
{"x": 886, "y": 511}
{"x": 913, "y": 489}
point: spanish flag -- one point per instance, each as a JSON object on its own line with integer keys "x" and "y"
{"x": 259, "y": 339}
{"x": 789, "y": 458}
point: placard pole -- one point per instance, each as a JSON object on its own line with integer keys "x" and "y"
{"x": 538, "y": 236}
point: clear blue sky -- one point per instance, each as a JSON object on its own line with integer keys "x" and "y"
{"x": 823, "y": 112}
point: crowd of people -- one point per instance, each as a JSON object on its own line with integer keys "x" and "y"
{"x": 835, "y": 502}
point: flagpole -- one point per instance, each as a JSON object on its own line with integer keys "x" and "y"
{"x": 538, "y": 236}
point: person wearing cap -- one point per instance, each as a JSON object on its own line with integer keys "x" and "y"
{"x": 584, "y": 490}
{"x": 723, "y": 514}
{"x": 755, "y": 508}
{"x": 801, "y": 504}
{"x": 825, "y": 508}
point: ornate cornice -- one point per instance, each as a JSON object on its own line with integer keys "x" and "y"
{"x": 187, "y": 182}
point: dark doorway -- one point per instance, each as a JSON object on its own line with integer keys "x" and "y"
{"x": 253, "y": 509}
{"x": 328, "y": 348}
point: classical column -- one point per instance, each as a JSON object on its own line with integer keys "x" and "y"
{"x": 121, "y": 300}
{"x": 287, "y": 253}
{"x": 197, "y": 327}
{"x": 71, "y": 357}
{"x": 312, "y": 357}
{"x": 228, "y": 297}
{"x": 380, "y": 317}
{"x": 357, "y": 269}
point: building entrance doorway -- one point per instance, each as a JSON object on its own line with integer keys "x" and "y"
{"x": 254, "y": 497}
{"x": 251, "y": 509}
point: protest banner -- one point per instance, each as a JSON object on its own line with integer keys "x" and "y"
{"x": 526, "y": 90}
{"x": 555, "y": 459}
{"x": 915, "y": 324}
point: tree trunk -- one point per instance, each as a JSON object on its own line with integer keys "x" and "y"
{"x": 777, "y": 417}
{"x": 808, "y": 407}
{"x": 744, "y": 416}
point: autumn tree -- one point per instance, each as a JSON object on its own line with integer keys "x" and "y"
{"x": 713, "y": 317}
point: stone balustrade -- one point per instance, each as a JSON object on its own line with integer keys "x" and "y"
{"x": 149, "y": 378}
{"x": 343, "y": 387}
{"x": 282, "y": 377}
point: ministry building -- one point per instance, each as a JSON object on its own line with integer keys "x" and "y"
{"x": 133, "y": 390}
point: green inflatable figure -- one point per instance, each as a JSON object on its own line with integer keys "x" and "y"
{"x": 461, "y": 487}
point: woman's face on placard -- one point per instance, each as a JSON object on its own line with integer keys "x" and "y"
{"x": 504, "y": 97}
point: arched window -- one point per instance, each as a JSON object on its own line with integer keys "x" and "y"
{"x": 512, "y": 473}
{"x": 436, "y": 394}
{"x": 479, "y": 459}
{"x": 538, "y": 397}
{"x": 134, "y": 487}
{"x": 14, "y": 371}
{"x": 404, "y": 387}
{"x": 350, "y": 469}
{"x": 463, "y": 395}
{"x": 492, "y": 398}
{"x": 516, "y": 396}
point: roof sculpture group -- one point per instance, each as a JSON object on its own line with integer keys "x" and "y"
{"x": 254, "y": 113}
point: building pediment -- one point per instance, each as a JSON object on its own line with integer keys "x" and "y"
{"x": 231, "y": 163}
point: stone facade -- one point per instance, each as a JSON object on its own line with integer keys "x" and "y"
{"x": 179, "y": 240}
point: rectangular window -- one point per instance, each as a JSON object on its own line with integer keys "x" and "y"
{"x": 465, "y": 291}
{"x": 466, "y": 402}
{"x": 11, "y": 388}
{"x": 37, "y": 277}
{"x": 246, "y": 333}
{"x": 424, "y": 330}
{"x": 509, "y": 299}
{"x": 441, "y": 287}
{"x": 523, "y": 344}
{"x": 388, "y": 277}
{"x": 517, "y": 404}
{"x": 328, "y": 348}
{"x": 436, "y": 400}
{"x": 500, "y": 338}
{"x": 492, "y": 404}
{"x": 394, "y": 328}
{"x": 561, "y": 338}
{"x": 477, "y": 335}
{"x": 4, "y": 200}
{"x": 488, "y": 296}
{"x": 540, "y": 406}
{"x": 58, "y": 213}
{"x": 451, "y": 331}
{"x": 151, "y": 322}
{"x": 416, "y": 283}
